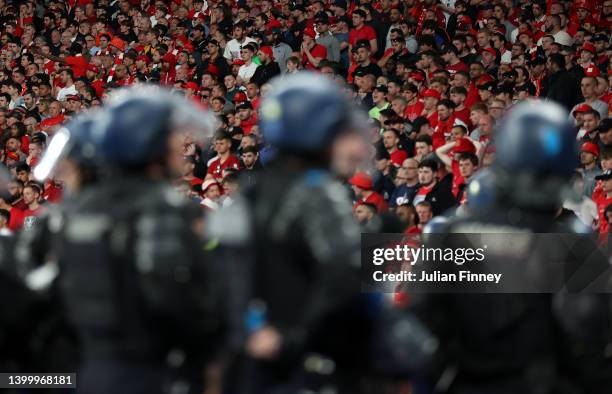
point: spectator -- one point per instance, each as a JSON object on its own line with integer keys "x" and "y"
{"x": 268, "y": 68}
{"x": 248, "y": 67}
{"x": 430, "y": 189}
{"x": 424, "y": 211}
{"x": 362, "y": 187}
{"x": 364, "y": 212}
{"x": 211, "y": 190}
{"x": 589, "y": 153}
{"x": 224, "y": 158}
{"x": 587, "y": 87}
{"x": 326, "y": 38}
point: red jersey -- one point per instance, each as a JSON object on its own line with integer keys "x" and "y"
{"x": 317, "y": 51}
{"x": 377, "y": 200}
{"x": 16, "y": 220}
{"x": 413, "y": 111}
{"x": 444, "y": 126}
{"x": 365, "y": 32}
{"x": 398, "y": 157}
{"x": 30, "y": 217}
{"x": 216, "y": 167}
{"x": 454, "y": 68}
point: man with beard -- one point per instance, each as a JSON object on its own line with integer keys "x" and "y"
{"x": 281, "y": 50}
{"x": 268, "y": 69}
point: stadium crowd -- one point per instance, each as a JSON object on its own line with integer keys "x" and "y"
{"x": 433, "y": 77}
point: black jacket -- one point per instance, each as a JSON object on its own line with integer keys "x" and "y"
{"x": 564, "y": 88}
{"x": 265, "y": 72}
{"x": 440, "y": 197}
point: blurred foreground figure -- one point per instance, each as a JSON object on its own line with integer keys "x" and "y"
{"x": 132, "y": 281}
{"x": 291, "y": 249}
{"x": 524, "y": 343}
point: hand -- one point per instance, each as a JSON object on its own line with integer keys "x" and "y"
{"x": 265, "y": 343}
{"x": 189, "y": 150}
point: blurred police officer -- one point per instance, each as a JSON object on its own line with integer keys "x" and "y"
{"x": 291, "y": 248}
{"x": 131, "y": 278}
{"x": 527, "y": 343}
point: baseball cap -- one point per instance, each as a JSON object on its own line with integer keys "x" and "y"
{"x": 589, "y": 47}
{"x": 489, "y": 85}
{"x": 310, "y": 32}
{"x": 607, "y": 174}
{"x": 362, "y": 180}
{"x": 208, "y": 184}
{"x": 240, "y": 97}
{"x": 581, "y": 109}
{"x": 268, "y": 51}
{"x": 600, "y": 37}
{"x": 92, "y": 68}
{"x": 362, "y": 44}
{"x": 492, "y": 51}
{"x": 417, "y": 76}
{"x": 340, "y": 3}
{"x": 321, "y": 17}
{"x": 244, "y": 105}
{"x": 590, "y": 147}
{"x": 191, "y": 85}
{"x": 431, "y": 93}
{"x": 382, "y": 89}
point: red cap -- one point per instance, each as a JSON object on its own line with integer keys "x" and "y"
{"x": 310, "y": 32}
{"x": 191, "y": 85}
{"x": 492, "y": 51}
{"x": 587, "y": 46}
{"x": 117, "y": 43}
{"x": 591, "y": 148}
{"x": 362, "y": 180}
{"x": 268, "y": 51}
{"x": 582, "y": 108}
{"x": 238, "y": 62}
{"x": 92, "y": 68}
{"x": 240, "y": 97}
{"x": 417, "y": 76}
{"x": 464, "y": 145}
{"x": 431, "y": 93}
{"x": 208, "y": 184}
{"x": 484, "y": 79}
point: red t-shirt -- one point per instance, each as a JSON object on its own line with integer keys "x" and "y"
{"x": 317, "y": 51}
{"x": 16, "y": 220}
{"x": 444, "y": 126}
{"x": 398, "y": 157}
{"x": 413, "y": 111}
{"x": 602, "y": 202}
{"x": 216, "y": 167}
{"x": 454, "y": 68}
{"x": 29, "y": 217}
{"x": 378, "y": 201}
{"x": 78, "y": 64}
{"x": 365, "y": 32}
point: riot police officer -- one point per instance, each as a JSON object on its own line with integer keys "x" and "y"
{"x": 291, "y": 248}
{"x": 528, "y": 343}
{"x": 131, "y": 277}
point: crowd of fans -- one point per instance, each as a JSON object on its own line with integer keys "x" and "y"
{"x": 433, "y": 77}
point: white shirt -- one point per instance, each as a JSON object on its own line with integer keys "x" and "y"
{"x": 246, "y": 72}
{"x": 67, "y": 91}
{"x": 233, "y": 47}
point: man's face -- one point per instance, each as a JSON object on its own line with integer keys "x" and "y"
{"x": 485, "y": 125}
{"x": 357, "y": 20}
{"x": 607, "y": 185}
{"x": 589, "y": 122}
{"x": 244, "y": 113}
{"x": 34, "y": 150}
{"x": 29, "y": 195}
{"x": 443, "y": 112}
{"x": 466, "y": 168}
{"x": 249, "y": 159}
{"x": 587, "y": 86}
{"x": 13, "y": 145}
{"x": 389, "y": 140}
{"x": 54, "y": 109}
{"x": 362, "y": 214}
{"x": 430, "y": 103}
{"x": 476, "y": 71}
{"x": 3, "y": 102}
{"x": 398, "y": 106}
{"x": 457, "y": 132}
{"x": 252, "y": 90}
{"x": 424, "y": 213}
{"x": 422, "y": 149}
{"x": 222, "y": 146}
{"x": 213, "y": 192}
{"x": 363, "y": 54}
{"x": 587, "y": 158}
{"x": 247, "y": 55}
{"x": 426, "y": 176}
{"x": 238, "y": 33}
{"x": 23, "y": 176}
{"x": 14, "y": 189}
{"x": 606, "y": 137}
{"x": 405, "y": 215}
{"x": 483, "y": 39}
